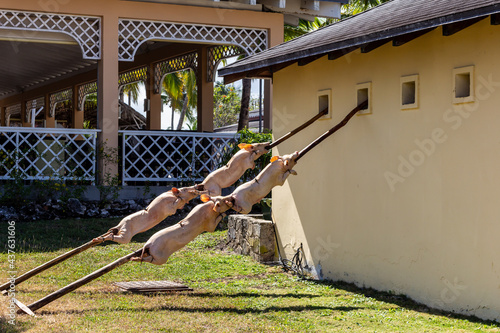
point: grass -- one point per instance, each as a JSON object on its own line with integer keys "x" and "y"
{"x": 231, "y": 293}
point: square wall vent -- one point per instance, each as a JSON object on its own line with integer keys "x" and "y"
{"x": 324, "y": 102}
{"x": 364, "y": 93}
{"x": 463, "y": 85}
{"x": 410, "y": 92}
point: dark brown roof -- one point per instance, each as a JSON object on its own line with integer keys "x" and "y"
{"x": 368, "y": 30}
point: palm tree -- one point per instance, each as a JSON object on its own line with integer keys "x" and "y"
{"x": 181, "y": 94}
{"x": 172, "y": 92}
{"x": 246, "y": 87}
{"x": 132, "y": 91}
{"x": 189, "y": 95}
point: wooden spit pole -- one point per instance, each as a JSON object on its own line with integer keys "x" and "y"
{"x": 86, "y": 246}
{"x": 50, "y": 263}
{"x": 297, "y": 130}
{"x": 332, "y": 130}
{"x": 83, "y": 281}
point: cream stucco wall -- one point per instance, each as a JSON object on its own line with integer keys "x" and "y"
{"x": 400, "y": 200}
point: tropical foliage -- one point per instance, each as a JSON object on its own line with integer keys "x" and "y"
{"x": 357, "y": 6}
{"x": 227, "y": 105}
{"x": 352, "y": 8}
{"x": 304, "y": 27}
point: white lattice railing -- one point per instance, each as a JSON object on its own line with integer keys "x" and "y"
{"x": 171, "y": 156}
{"x": 47, "y": 153}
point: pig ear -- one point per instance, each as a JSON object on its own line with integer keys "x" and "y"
{"x": 286, "y": 163}
{"x": 246, "y": 146}
{"x": 216, "y": 207}
{"x": 175, "y": 191}
{"x": 275, "y": 158}
{"x": 204, "y": 198}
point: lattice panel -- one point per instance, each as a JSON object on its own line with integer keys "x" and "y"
{"x": 86, "y": 30}
{"x": 57, "y": 97}
{"x": 174, "y": 156}
{"x": 48, "y": 154}
{"x": 135, "y": 75}
{"x": 135, "y": 32}
{"x": 33, "y": 104}
{"x": 173, "y": 65}
{"x": 216, "y": 54}
{"x": 83, "y": 91}
{"x": 140, "y": 74}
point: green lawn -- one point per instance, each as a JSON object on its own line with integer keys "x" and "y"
{"x": 231, "y": 293}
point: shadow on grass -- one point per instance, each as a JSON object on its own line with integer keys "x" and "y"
{"x": 253, "y": 311}
{"x": 401, "y": 301}
{"x": 211, "y": 309}
{"x": 215, "y": 294}
{"x": 244, "y": 294}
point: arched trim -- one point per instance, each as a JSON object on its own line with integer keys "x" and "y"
{"x": 216, "y": 54}
{"x": 186, "y": 61}
{"x": 133, "y": 33}
{"x": 85, "y": 30}
{"x": 58, "y": 97}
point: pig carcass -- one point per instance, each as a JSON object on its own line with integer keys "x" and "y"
{"x": 241, "y": 161}
{"x": 203, "y": 217}
{"x": 167, "y": 203}
{"x": 160, "y": 208}
{"x": 274, "y": 174}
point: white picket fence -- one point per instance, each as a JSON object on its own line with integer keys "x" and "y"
{"x": 146, "y": 156}
{"x": 47, "y": 153}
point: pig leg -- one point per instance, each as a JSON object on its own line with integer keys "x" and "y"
{"x": 242, "y": 207}
{"x": 285, "y": 176}
{"x": 142, "y": 220}
{"x": 146, "y": 256}
{"x": 124, "y": 234}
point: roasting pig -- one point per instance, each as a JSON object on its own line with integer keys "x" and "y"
{"x": 203, "y": 217}
{"x": 241, "y": 161}
{"x": 160, "y": 208}
{"x": 274, "y": 174}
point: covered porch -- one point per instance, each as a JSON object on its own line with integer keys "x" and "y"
{"x": 64, "y": 65}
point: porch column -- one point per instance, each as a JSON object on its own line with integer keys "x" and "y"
{"x": 77, "y": 113}
{"x": 2, "y": 116}
{"x": 154, "y": 114}
{"x": 23, "y": 114}
{"x": 50, "y": 122}
{"x": 205, "y": 94}
{"x": 268, "y": 104}
{"x": 107, "y": 105}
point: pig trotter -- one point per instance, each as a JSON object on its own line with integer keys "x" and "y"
{"x": 145, "y": 254}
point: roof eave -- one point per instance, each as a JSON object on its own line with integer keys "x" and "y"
{"x": 236, "y": 71}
